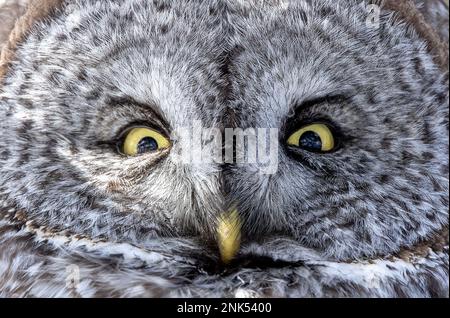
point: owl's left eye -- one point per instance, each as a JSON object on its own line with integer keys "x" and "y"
{"x": 143, "y": 140}
{"x": 317, "y": 137}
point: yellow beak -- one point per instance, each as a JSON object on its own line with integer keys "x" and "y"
{"x": 229, "y": 235}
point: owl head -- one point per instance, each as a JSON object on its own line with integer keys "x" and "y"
{"x": 101, "y": 97}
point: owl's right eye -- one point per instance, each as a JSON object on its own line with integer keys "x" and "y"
{"x": 143, "y": 140}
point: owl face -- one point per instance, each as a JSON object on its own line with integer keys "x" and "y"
{"x": 94, "y": 107}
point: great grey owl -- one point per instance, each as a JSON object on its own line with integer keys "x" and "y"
{"x": 95, "y": 201}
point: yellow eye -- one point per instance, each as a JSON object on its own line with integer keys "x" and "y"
{"x": 314, "y": 137}
{"x": 143, "y": 140}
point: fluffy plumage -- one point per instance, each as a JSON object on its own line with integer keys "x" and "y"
{"x": 367, "y": 220}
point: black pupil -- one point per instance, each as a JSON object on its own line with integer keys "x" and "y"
{"x": 147, "y": 144}
{"x": 311, "y": 141}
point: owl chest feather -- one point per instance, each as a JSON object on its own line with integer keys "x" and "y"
{"x": 35, "y": 262}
